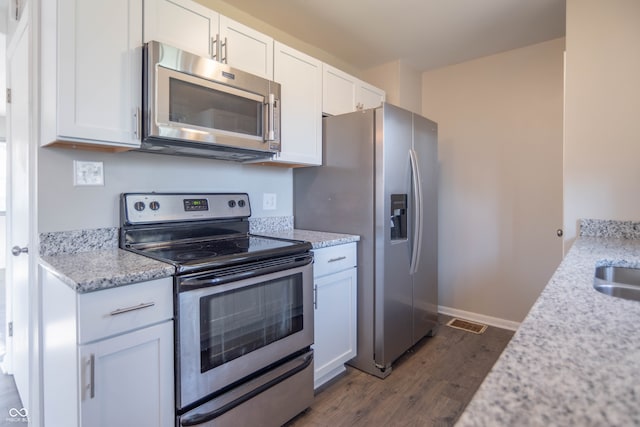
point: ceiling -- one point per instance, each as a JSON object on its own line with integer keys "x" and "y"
{"x": 426, "y": 34}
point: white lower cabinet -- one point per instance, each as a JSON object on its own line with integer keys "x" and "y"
{"x": 335, "y": 302}
{"x": 108, "y": 355}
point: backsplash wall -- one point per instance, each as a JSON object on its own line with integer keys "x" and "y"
{"x": 63, "y": 206}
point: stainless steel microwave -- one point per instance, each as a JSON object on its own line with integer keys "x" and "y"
{"x": 196, "y": 106}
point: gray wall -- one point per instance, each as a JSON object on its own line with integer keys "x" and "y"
{"x": 63, "y": 207}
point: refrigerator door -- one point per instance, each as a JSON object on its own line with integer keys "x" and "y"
{"x": 393, "y": 288}
{"x": 425, "y": 270}
{"x": 339, "y": 197}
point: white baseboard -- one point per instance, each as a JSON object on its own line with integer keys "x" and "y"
{"x": 492, "y": 321}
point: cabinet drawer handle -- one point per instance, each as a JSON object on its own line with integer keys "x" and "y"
{"x": 315, "y": 296}
{"x": 340, "y": 258}
{"x": 92, "y": 376}
{"x": 132, "y": 308}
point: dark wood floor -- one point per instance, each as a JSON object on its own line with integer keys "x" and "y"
{"x": 429, "y": 386}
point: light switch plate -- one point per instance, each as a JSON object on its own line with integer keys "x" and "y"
{"x": 268, "y": 201}
{"x": 88, "y": 173}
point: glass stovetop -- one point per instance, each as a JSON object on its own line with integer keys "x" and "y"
{"x": 218, "y": 252}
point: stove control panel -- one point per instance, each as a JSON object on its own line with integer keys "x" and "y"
{"x": 162, "y": 207}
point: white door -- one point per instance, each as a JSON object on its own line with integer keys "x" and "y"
{"x": 18, "y": 210}
{"x": 244, "y": 48}
{"x": 127, "y": 380}
{"x": 301, "y": 110}
{"x": 368, "y": 96}
{"x": 183, "y": 24}
{"x": 339, "y": 91}
{"x": 99, "y": 58}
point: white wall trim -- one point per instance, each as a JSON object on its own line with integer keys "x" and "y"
{"x": 492, "y": 321}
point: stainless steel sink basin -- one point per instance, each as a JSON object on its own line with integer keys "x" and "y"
{"x": 621, "y": 282}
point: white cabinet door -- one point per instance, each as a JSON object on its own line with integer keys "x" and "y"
{"x": 128, "y": 380}
{"x": 338, "y": 91}
{"x": 301, "y": 108}
{"x": 368, "y": 96}
{"x": 335, "y": 319}
{"x": 183, "y": 24}
{"x": 99, "y": 69}
{"x": 244, "y": 48}
{"x": 344, "y": 93}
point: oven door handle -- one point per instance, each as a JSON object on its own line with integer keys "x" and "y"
{"x": 197, "y": 419}
{"x": 235, "y": 273}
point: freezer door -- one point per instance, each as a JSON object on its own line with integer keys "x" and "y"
{"x": 393, "y": 289}
{"x": 425, "y": 273}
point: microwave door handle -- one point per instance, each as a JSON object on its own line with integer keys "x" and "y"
{"x": 270, "y": 136}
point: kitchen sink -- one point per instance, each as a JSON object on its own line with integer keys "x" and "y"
{"x": 621, "y": 282}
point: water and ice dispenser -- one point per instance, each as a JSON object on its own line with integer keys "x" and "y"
{"x": 398, "y": 216}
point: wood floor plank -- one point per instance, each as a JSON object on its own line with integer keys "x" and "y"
{"x": 429, "y": 386}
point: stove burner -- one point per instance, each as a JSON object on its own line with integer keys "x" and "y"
{"x": 188, "y": 256}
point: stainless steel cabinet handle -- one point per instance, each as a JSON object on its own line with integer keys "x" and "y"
{"x": 92, "y": 376}
{"x": 213, "y": 48}
{"x": 17, "y": 250}
{"x": 340, "y": 258}
{"x": 315, "y": 297}
{"x": 224, "y": 45}
{"x": 137, "y": 117}
{"x": 132, "y": 308}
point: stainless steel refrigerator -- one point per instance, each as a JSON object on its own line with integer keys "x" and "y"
{"x": 379, "y": 180}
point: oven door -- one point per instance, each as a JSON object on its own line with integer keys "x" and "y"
{"x": 228, "y": 332}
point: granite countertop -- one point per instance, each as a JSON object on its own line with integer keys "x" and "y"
{"x": 102, "y": 269}
{"x": 318, "y": 239}
{"x": 89, "y": 260}
{"x": 575, "y": 359}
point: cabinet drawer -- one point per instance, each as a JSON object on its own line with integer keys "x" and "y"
{"x": 334, "y": 258}
{"x": 114, "y": 311}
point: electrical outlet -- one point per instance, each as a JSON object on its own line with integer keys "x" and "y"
{"x": 268, "y": 201}
{"x": 88, "y": 173}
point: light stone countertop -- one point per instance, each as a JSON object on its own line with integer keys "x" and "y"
{"x": 575, "y": 359}
{"x": 92, "y": 270}
{"x": 103, "y": 269}
{"x": 318, "y": 239}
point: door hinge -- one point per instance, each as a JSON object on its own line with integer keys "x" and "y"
{"x": 8, "y": 96}
{"x": 10, "y": 327}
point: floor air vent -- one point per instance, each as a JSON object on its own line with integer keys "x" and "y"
{"x": 466, "y": 325}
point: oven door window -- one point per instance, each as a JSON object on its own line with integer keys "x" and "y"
{"x": 237, "y": 322}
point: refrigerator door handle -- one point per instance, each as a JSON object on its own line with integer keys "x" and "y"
{"x": 417, "y": 217}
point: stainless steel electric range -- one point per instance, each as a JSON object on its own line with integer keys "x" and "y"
{"x": 243, "y": 307}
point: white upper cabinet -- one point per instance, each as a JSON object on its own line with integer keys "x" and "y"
{"x": 245, "y": 48}
{"x": 301, "y": 108}
{"x": 368, "y": 96}
{"x": 91, "y": 72}
{"x": 344, "y": 93}
{"x": 181, "y": 23}
{"x": 194, "y": 28}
